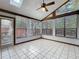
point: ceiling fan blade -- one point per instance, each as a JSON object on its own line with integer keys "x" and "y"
{"x": 46, "y": 9}
{"x": 51, "y": 3}
{"x": 39, "y": 8}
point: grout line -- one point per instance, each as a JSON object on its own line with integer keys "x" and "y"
{"x": 56, "y": 50}
{"x": 8, "y": 52}
{"x": 62, "y": 52}
{"x": 75, "y": 52}
{"x": 16, "y": 52}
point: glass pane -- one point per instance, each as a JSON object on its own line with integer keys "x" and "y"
{"x": 38, "y": 26}
{"x": 47, "y": 27}
{"x": 44, "y": 28}
{"x": 33, "y": 25}
{"x": 21, "y": 29}
{"x": 6, "y": 31}
{"x": 59, "y": 27}
{"x": 72, "y": 5}
{"x": 70, "y": 26}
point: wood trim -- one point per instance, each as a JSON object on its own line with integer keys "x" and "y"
{"x": 63, "y": 15}
{"x": 0, "y": 32}
{"x": 14, "y": 13}
{"x": 62, "y": 42}
{"x": 55, "y": 10}
{"x": 7, "y": 16}
{"x": 28, "y": 41}
{"x": 14, "y": 28}
{"x": 77, "y": 27}
{"x": 54, "y": 13}
{"x": 64, "y": 27}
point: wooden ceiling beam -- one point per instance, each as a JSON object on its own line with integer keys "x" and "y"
{"x": 56, "y": 9}
{"x": 63, "y": 15}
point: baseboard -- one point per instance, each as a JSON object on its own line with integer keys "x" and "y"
{"x": 29, "y": 41}
{"x": 61, "y": 42}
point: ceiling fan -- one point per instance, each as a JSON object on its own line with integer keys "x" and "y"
{"x": 44, "y": 6}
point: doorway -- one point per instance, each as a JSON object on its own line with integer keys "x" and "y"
{"x": 6, "y": 31}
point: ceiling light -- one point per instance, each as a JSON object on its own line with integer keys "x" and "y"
{"x": 43, "y": 9}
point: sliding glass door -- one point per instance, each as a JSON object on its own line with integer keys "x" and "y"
{"x": 6, "y": 29}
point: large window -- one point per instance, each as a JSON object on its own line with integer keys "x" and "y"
{"x": 35, "y": 27}
{"x": 47, "y": 27}
{"x": 21, "y": 29}
{"x": 26, "y": 29}
{"x": 66, "y": 26}
{"x": 70, "y": 26}
{"x": 59, "y": 27}
{"x": 44, "y": 28}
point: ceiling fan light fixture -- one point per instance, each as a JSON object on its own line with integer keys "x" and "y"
{"x": 43, "y": 9}
{"x": 44, "y": 6}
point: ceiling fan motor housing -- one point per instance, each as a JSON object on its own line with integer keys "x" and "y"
{"x": 43, "y": 5}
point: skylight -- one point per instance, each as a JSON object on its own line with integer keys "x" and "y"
{"x": 17, "y": 3}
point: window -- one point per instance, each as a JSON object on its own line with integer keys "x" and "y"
{"x": 38, "y": 28}
{"x": 59, "y": 27}
{"x": 66, "y": 26}
{"x": 47, "y": 28}
{"x": 70, "y": 26}
{"x": 21, "y": 29}
{"x": 35, "y": 27}
{"x": 44, "y": 27}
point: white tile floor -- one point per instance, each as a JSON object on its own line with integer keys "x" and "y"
{"x": 41, "y": 49}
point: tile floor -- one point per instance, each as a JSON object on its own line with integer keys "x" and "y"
{"x": 40, "y": 49}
